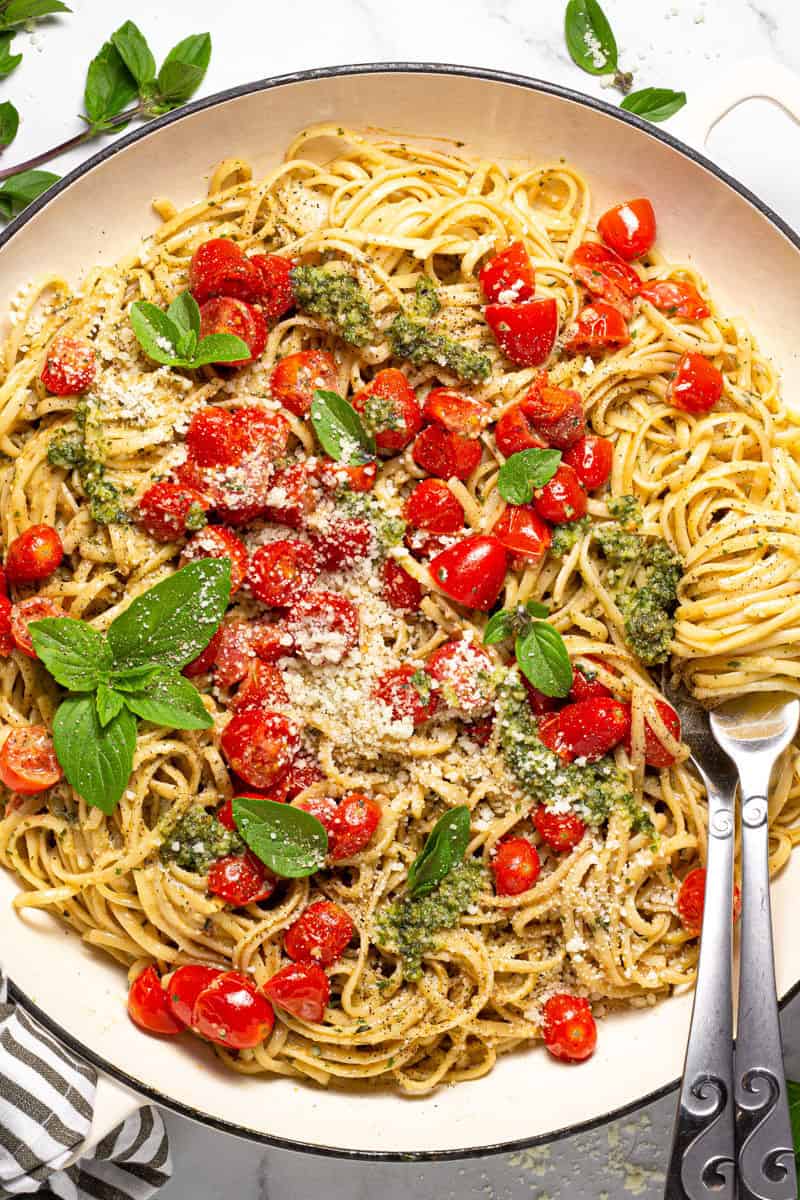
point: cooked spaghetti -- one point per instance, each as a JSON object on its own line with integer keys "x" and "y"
{"x": 419, "y": 995}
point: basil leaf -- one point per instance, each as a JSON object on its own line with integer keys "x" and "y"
{"x": 443, "y": 850}
{"x": 18, "y": 191}
{"x": 184, "y": 312}
{"x": 169, "y": 699}
{"x": 156, "y": 333}
{"x": 522, "y": 473}
{"x": 340, "y": 430}
{"x": 133, "y": 679}
{"x": 97, "y": 759}
{"x": 108, "y": 703}
{"x": 172, "y": 622}
{"x": 134, "y": 51}
{"x": 183, "y": 70}
{"x": 654, "y": 104}
{"x": 8, "y": 61}
{"x": 109, "y": 86}
{"x": 793, "y": 1096}
{"x": 536, "y": 609}
{"x": 17, "y": 12}
{"x": 590, "y": 40}
{"x": 499, "y": 626}
{"x": 543, "y": 659}
{"x": 77, "y": 656}
{"x": 219, "y": 348}
{"x": 290, "y": 841}
{"x": 9, "y": 123}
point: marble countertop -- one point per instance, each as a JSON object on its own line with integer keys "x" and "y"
{"x": 682, "y": 44}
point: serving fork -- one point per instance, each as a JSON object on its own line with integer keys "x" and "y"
{"x": 732, "y": 1135}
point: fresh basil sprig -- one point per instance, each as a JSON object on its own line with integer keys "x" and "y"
{"x": 14, "y": 13}
{"x": 444, "y": 849}
{"x": 340, "y": 429}
{"x": 654, "y": 104}
{"x": 173, "y": 337}
{"x": 8, "y": 61}
{"x": 539, "y": 647}
{"x": 290, "y": 841}
{"x": 9, "y": 123}
{"x": 590, "y": 38}
{"x": 525, "y": 471}
{"x": 133, "y": 671}
{"x": 17, "y": 192}
{"x": 508, "y": 621}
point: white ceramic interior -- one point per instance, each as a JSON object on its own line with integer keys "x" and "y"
{"x": 755, "y": 270}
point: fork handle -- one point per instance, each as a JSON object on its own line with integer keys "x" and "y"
{"x": 703, "y": 1151}
{"x": 764, "y": 1134}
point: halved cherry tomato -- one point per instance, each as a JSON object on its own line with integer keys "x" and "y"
{"x": 343, "y": 542}
{"x": 446, "y": 454}
{"x": 591, "y": 459}
{"x": 276, "y": 296}
{"x": 655, "y": 752}
{"x": 598, "y": 327}
{"x": 568, "y": 1027}
{"x": 523, "y": 532}
{"x": 692, "y": 897}
{"x": 262, "y": 687}
{"x": 234, "y": 652}
{"x": 676, "y": 298}
{"x": 321, "y": 807}
{"x": 473, "y": 571}
{"x": 219, "y": 267}
{"x": 629, "y": 228}
{"x": 294, "y": 493}
{"x": 226, "y": 315}
{"x": 353, "y": 825}
{"x": 462, "y": 670}
{"x": 271, "y": 641}
{"x": 526, "y": 333}
{"x": 555, "y": 413}
{"x": 514, "y": 432}
{"x": 301, "y": 989}
{"x": 260, "y": 746}
{"x": 390, "y": 410}
{"x": 401, "y": 590}
{"x": 213, "y": 438}
{"x": 168, "y": 510}
{"x": 509, "y": 276}
{"x": 35, "y": 608}
{"x": 515, "y": 866}
{"x": 6, "y": 640}
{"x": 433, "y": 506}
{"x": 324, "y": 626}
{"x": 540, "y": 704}
{"x": 562, "y": 498}
{"x": 358, "y": 477}
{"x": 697, "y": 384}
{"x": 34, "y": 554}
{"x": 206, "y": 658}
{"x": 215, "y": 541}
{"x": 240, "y": 879}
{"x": 70, "y": 367}
{"x": 302, "y": 774}
{"x": 262, "y": 432}
{"x": 28, "y": 762}
{"x": 281, "y": 572}
{"x": 407, "y": 691}
{"x": 230, "y": 1012}
{"x": 584, "y": 688}
{"x": 589, "y": 728}
{"x": 456, "y": 412}
{"x": 559, "y": 831}
{"x": 185, "y": 986}
{"x": 148, "y": 1006}
{"x": 297, "y": 376}
{"x": 424, "y": 544}
{"x": 607, "y": 275}
{"x": 320, "y": 934}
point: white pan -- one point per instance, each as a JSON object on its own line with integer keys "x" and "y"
{"x": 97, "y": 214}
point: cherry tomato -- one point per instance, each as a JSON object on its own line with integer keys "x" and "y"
{"x": 343, "y": 542}
{"x": 515, "y": 866}
{"x": 324, "y": 626}
{"x": 526, "y": 333}
{"x": 407, "y": 692}
{"x": 555, "y": 413}
{"x": 6, "y": 640}
{"x": 34, "y": 555}
{"x": 584, "y": 688}
{"x": 433, "y": 506}
{"x": 271, "y": 641}
{"x": 213, "y": 438}
{"x": 294, "y": 493}
{"x": 148, "y": 1006}
{"x": 514, "y": 432}
{"x": 691, "y": 901}
{"x": 540, "y": 704}
{"x": 70, "y": 367}
{"x": 590, "y": 728}
{"x": 424, "y": 544}
{"x": 28, "y": 762}
{"x": 219, "y": 268}
{"x": 560, "y": 831}
{"x": 276, "y": 296}
{"x": 301, "y": 989}
{"x": 230, "y": 1012}
{"x": 225, "y": 315}
{"x": 676, "y": 298}
{"x": 390, "y": 410}
{"x": 358, "y": 477}
{"x": 472, "y": 572}
{"x": 523, "y": 532}
{"x": 206, "y": 658}
{"x": 697, "y": 384}
{"x": 215, "y": 541}
{"x": 591, "y": 459}
{"x": 168, "y": 510}
{"x": 400, "y": 590}
{"x": 562, "y": 498}
{"x": 281, "y": 572}
{"x": 569, "y": 1028}
{"x": 655, "y": 752}
{"x": 262, "y": 687}
{"x": 509, "y": 276}
{"x": 185, "y": 986}
{"x": 240, "y": 879}
{"x": 606, "y": 275}
{"x": 234, "y": 652}
{"x": 462, "y": 671}
{"x": 456, "y": 412}
{"x": 323, "y": 808}
{"x": 262, "y": 432}
{"x": 598, "y": 327}
{"x": 260, "y": 746}
{"x": 353, "y": 825}
{"x": 446, "y": 454}
{"x": 302, "y": 774}
{"x": 320, "y": 934}
{"x": 629, "y": 228}
{"x": 297, "y": 376}
{"x": 35, "y": 608}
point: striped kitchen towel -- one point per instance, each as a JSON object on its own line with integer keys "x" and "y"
{"x": 46, "y": 1101}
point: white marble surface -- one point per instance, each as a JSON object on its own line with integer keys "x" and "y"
{"x": 682, "y": 44}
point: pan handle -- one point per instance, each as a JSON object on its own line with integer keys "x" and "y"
{"x": 113, "y": 1104}
{"x": 751, "y": 78}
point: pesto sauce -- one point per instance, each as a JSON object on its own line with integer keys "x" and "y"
{"x": 565, "y": 536}
{"x": 409, "y": 926}
{"x": 389, "y": 529}
{"x": 198, "y": 840}
{"x": 337, "y": 298}
{"x": 68, "y": 449}
{"x": 426, "y": 299}
{"x": 414, "y": 341}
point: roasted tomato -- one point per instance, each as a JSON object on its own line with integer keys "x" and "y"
{"x": 297, "y": 376}
{"x": 215, "y": 541}
{"x": 343, "y": 542}
{"x": 324, "y": 627}
{"x": 301, "y": 989}
{"x": 456, "y": 412}
{"x": 569, "y": 1028}
{"x": 676, "y": 298}
{"x": 148, "y": 1005}
{"x": 169, "y": 510}
{"x": 231, "y": 1012}
{"x": 35, "y": 608}
{"x": 220, "y": 268}
{"x": 400, "y": 590}
{"x": 214, "y": 438}
{"x": 605, "y": 274}
{"x": 629, "y": 228}
{"x": 462, "y": 673}
{"x": 691, "y": 901}
{"x": 353, "y": 825}
{"x": 319, "y": 935}
{"x": 655, "y": 752}
{"x": 390, "y": 410}
{"x": 276, "y": 296}
{"x": 185, "y": 986}
{"x": 540, "y": 704}
{"x": 555, "y": 413}
{"x": 562, "y": 498}
{"x": 526, "y": 333}
{"x": 591, "y": 459}
{"x": 28, "y": 762}
{"x": 514, "y": 432}
{"x": 697, "y": 384}
{"x": 472, "y": 572}
{"x": 206, "y": 658}
{"x": 281, "y": 572}
{"x": 599, "y": 326}
{"x": 34, "y": 555}
{"x": 321, "y": 807}
{"x": 70, "y": 367}
{"x": 232, "y": 457}
{"x": 509, "y": 276}
{"x": 584, "y": 688}
{"x": 559, "y": 831}
{"x": 589, "y": 729}
{"x": 408, "y": 692}
{"x": 302, "y": 774}
{"x": 6, "y": 639}
{"x": 515, "y": 866}
{"x": 245, "y": 321}
{"x": 433, "y": 506}
{"x": 260, "y": 746}
{"x": 294, "y": 493}
{"x": 234, "y": 652}
{"x": 523, "y": 532}
{"x": 358, "y": 477}
{"x": 446, "y": 455}
{"x": 240, "y": 879}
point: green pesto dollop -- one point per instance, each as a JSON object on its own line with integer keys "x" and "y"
{"x": 389, "y": 529}
{"x": 337, "y": 298}
{"x": 198, "y": 840}
{"x": 565, "y": 536}
{"x": 626, "y": 510}
{"x": 68, "y": 449}
{"x": 426, "y": 299}
{"x": 414, "y": 341}
{"x": 409, "y": 927}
